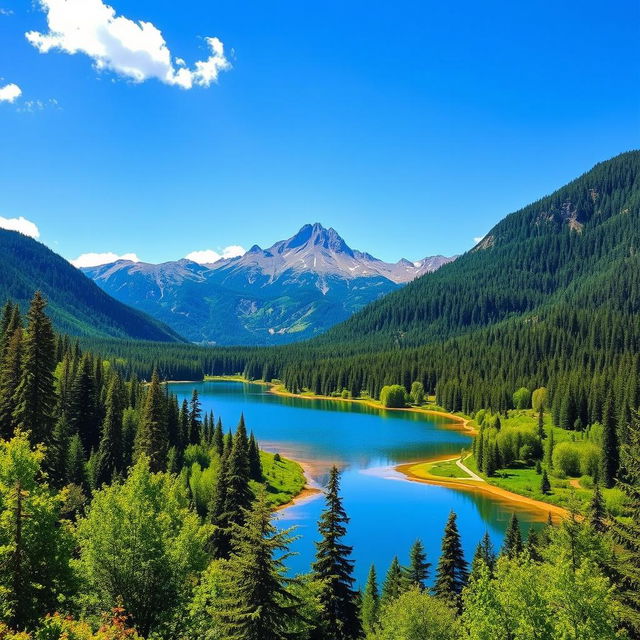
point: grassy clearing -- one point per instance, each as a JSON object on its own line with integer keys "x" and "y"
{"x": 445, "y": 469}
{"x": 285, "y": 478}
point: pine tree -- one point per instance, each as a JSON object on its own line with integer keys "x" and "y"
{"x": 109, "y": 457}
{"x": 512, "y": 546}
{"x": 218, "y": 438}
{"x": 334, "y": 570}
{"x": 533, "y": 544}
{"x": 238, "y": 493}
{"x": 484, "y": 553}
{"x": 394, "y": 582}
{"x": 256, "y": 602}
{"x": 183, "y": 423}
{"x": 35, "y": 396}
{"x": 541, "y": 432}
{"x": 610, "y": 454}
{"x": 255, "y": 464}
{"x": 452, "y": 571}
{"x": 10, "y": 374}
{"x": 152, "y": 439}
{"x": 83, "y": 414}
{"x": 597, "y": 510}
{"x": 57, "y": 453}
{"x": 220, "y": 542}
{"x": 627, "y": 532}
{"x": 545, "y": 485}
{"x": 548, "y": 452}
{"x": 194, "y": 425}
{"x": 370, "y": 605}
{"x": 76, "y": 467}
{"x": 417, "y": 573}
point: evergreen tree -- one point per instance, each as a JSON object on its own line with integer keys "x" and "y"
{"x": 238, "y": 494}
{"x": 193, "y": 433}
{"x": 152, "y": 439}
{"x": 257, "y": 603}
{"x": 484, "y": 554}
{"x": 35, "y": 397}
{"x": 218, "y": 438}
{"x": 532, "y": 546}
{"x": 370, "y": 605}
{"x": 545, "y": 485}
{"x": 394, "y": 582}
{"x": 255, "y": 464}
{"x": 548, "y": 452}
{"x": 512, "y": 546}
{"x": 183, "y": 423}
{"x": 109, "y": 457}
{"x": 76, "y": 465}
{"x": 334, "y": 569}
{"x": 541, "y": 432}
{"x": 627, "y": 532}
{"x": 83, "y": 414}
{"x": 220, "y": 542}
{"x": 610, "y": 453}
{"x": 452, "y": 572}
{"x": 10, "y": 374}
{"x": 597, "y": 510}
{"x": 417, "y": 573}
{"x": 57, "y": 453}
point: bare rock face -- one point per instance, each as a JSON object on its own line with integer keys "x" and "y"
{"x": 291, "y": 291}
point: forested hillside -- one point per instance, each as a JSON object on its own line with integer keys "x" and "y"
{"x": 77, "y": 306}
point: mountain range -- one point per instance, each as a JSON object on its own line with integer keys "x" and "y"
{"x": 293, "y": 290}
{"x": 75, "y": 304}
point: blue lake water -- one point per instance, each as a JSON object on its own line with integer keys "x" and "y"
{"x": 387, "y": 512}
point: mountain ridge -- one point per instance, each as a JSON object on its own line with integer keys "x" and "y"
{"x": 294, "y": 289}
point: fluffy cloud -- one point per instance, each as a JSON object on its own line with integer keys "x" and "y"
{"x": 95, "y": 259}
{"x": 209, "y": 256}
{"x": 10, "y": 92}
{"x": 136, "y": 50}
{"x": 20, "y": 224}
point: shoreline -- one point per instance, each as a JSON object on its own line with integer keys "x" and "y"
{"x": 308, "y": 492}
{"x": 471, "y": 485}
{"x": 503, "y": 495}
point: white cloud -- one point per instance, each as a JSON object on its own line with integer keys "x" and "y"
{"x": 5, "y": 12}
{"x": 96, "y": 259}
{"x": 478, "y": 239}
{"x": 134, "y": 49}
{"x": 209, "y": 256}
{"x": 20, "y": 224}
{"x": 10, "y": 92}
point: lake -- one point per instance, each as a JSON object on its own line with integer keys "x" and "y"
{"x": 387, "y": 512}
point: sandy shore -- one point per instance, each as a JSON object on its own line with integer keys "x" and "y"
{"x": 507, "y": 498}
{"x": 309, "y": 491}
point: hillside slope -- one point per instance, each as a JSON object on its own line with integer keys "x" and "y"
{"x": 76, "y": 305}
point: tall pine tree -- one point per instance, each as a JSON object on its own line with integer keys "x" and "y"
{"x": 333, "y": 568}
{"x": 152, "y": 438}
{"x": 452, "y": 571}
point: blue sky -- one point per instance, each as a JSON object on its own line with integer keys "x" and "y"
{"x": 410, "y": 127}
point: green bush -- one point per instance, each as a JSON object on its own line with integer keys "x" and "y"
{"x": 589, "y": 459}
{"x": 522, "y": 398}
{"x": 566, "y": 459}
{"x": 393, "y": 396}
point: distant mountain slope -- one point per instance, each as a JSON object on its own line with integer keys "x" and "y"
{"x": 558, "y": 248}
{"x": 293, "y": 290}
{"x": 76, "y": 305}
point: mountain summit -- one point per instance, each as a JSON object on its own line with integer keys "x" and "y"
{"x": 293, "y": 290}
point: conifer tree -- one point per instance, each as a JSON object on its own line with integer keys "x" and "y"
{"x": 35, "y": 397}
{"x": 597, "y": 510}
{"x": 548, "y": 452}
{"x": 541, "y": 432}
{"x": 10, "y": 374}
{"x": 220, "y": 542}
{"x": 394, "y": 582}
{"x": 238, "y": 494}
{"x": 417, "y": 573}
{"x": 218, "y": 438}
{"x": 627, "y": 533}
{"x": 370, "y": 605}
{"x": 109, "y": 457}
{"x": 194, "y": 419}
{"x": 57, "y": 453}
{"x": 183, "y": 426}
{"x": 610, "y": 454}
{"x": 257, "y": 603}
{"x": 333, "y": 568}
{"x": 83, "y": 412}
{"x": 255, "y": 464}
{"x": 452, "y": 571}
{"x": 152, "y": 439}
{"x": 484, "y": 554}
{"x": 512, "y": 546}
{"x": 76, "y": 467}
{"x": 533, "y": 544}
{"x": 545, "y": 485}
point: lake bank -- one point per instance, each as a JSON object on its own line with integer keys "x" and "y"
{"x": 419, "y": 472}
